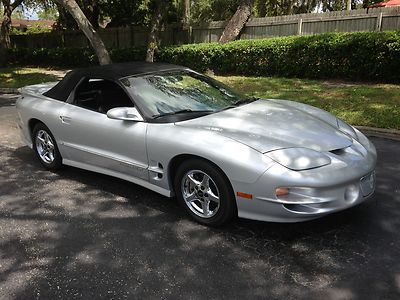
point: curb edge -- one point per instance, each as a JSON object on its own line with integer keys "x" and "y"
{"x": 392, "y": 134}
{"x": 9, "y": 91}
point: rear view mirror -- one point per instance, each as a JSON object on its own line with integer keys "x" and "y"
{"x": 125, "y": 114}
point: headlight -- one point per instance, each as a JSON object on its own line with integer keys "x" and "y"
{"x": 299, "y": 158}
{"x": 346, "y": 128}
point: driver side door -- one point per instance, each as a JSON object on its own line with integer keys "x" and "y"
{"x": 94, "y": 141}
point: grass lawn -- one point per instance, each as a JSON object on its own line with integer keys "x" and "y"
{"x": 19, "y": 77}
{"x": 376, "y": 105}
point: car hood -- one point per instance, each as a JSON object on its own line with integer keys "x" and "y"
{"x": 267, "y": 125}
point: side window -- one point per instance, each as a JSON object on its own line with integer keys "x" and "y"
{"x": 101, "y": 95}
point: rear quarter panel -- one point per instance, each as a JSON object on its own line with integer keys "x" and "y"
{"x": 37, "y": 107}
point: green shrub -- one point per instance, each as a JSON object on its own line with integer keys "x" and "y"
{"x": 30, "y": 30}
{"x": 128, "y": 54}
{"x": 357, "y": 56}
{"x": 57, "y": 57}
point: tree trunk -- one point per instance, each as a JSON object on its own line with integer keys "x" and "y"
{"x": 348, "y": 6}
{"x": 95, "y": 40}
{"x": 5, "y": 37}
{"x": 155, "y": 27}
{"x": 237, "y": 22}
{"x": 186, "y": 13}
{"x": 261, "y": 8}
{"x": 92, "y": 12}
{"x": 5, "y": 29}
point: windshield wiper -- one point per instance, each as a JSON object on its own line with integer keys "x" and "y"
{"x": 180, "y": 112}
{"x": 246, "y": 100}
{"x": 241, "y": 102}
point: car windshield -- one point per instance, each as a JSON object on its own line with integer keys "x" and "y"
{"x": 176, "y": 92}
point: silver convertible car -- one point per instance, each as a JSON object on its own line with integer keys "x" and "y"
{"x": 180, "y": 133}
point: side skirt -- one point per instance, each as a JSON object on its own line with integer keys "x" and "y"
{"x": 137, "y": 181}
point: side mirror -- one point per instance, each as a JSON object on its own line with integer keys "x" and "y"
{"x": 125, "y": 114}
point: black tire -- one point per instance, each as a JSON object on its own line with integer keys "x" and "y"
{"x": 56, "y": 163}
{"x": 227, "y": 203}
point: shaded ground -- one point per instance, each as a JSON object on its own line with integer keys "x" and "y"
{"x": 75, "y": 234}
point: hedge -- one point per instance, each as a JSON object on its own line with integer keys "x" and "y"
{"x": 358, "y": 56}
{"x": 68, "y": 57}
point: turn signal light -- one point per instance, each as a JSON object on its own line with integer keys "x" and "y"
{"x": 279, "y": 192}
{"x": 244, "y": 195}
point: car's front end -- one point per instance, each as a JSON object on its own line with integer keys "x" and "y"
{"x": 290, "y": 192}
{"x": 313, "y": 163}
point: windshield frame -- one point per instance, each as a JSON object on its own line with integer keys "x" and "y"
{"x": 180, "y": 116}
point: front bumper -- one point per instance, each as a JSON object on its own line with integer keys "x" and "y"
{"x": 347, "y": 181}
{"x": 315, "y": 202}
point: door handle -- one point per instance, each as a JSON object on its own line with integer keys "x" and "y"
{"x": 65, "y": 119}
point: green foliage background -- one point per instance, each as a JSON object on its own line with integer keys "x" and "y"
{"x": 357, "y": 56}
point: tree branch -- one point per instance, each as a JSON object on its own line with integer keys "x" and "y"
{"x": 5, "y": 2}
{"x": 84, "y": 24}
{"x": 16, "y": 4}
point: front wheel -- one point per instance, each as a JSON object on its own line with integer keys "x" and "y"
{"x": 45, "y": 147}
{"x": 205, "y": 193}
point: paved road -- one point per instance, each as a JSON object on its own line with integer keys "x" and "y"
{"x": 78, "y": 235}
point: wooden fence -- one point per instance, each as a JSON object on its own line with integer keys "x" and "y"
{"x": 377, "y": 19}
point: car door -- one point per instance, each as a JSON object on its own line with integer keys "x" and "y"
{"x": 90, "y": 138}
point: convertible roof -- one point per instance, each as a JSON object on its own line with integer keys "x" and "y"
{"x": 63, "y": 89}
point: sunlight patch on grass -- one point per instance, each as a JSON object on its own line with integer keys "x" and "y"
{"x": 365, "y": 104}
{"x": 19, "y": 77}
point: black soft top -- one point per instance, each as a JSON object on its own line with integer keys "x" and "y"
{"x": 63, "y": 89}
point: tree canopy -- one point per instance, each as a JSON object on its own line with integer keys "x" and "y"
{"x": 113, "y": 13}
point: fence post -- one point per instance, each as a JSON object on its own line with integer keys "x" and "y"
{"x": 379, "y": 22}
{"x": 132, "y": 33}
{"x": 190, "y": 34}
{"x": 299, "y": 26}
{"x": 117, "y": 36}
{"x": 62, "y": 38}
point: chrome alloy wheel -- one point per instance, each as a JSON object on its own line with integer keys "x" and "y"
{"x": 200, "y": 193}
{"x": 45, "y": 146}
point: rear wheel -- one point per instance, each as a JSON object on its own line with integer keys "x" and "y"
{"x": 205, "y": 193}
{"x": 45, "y": 147}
